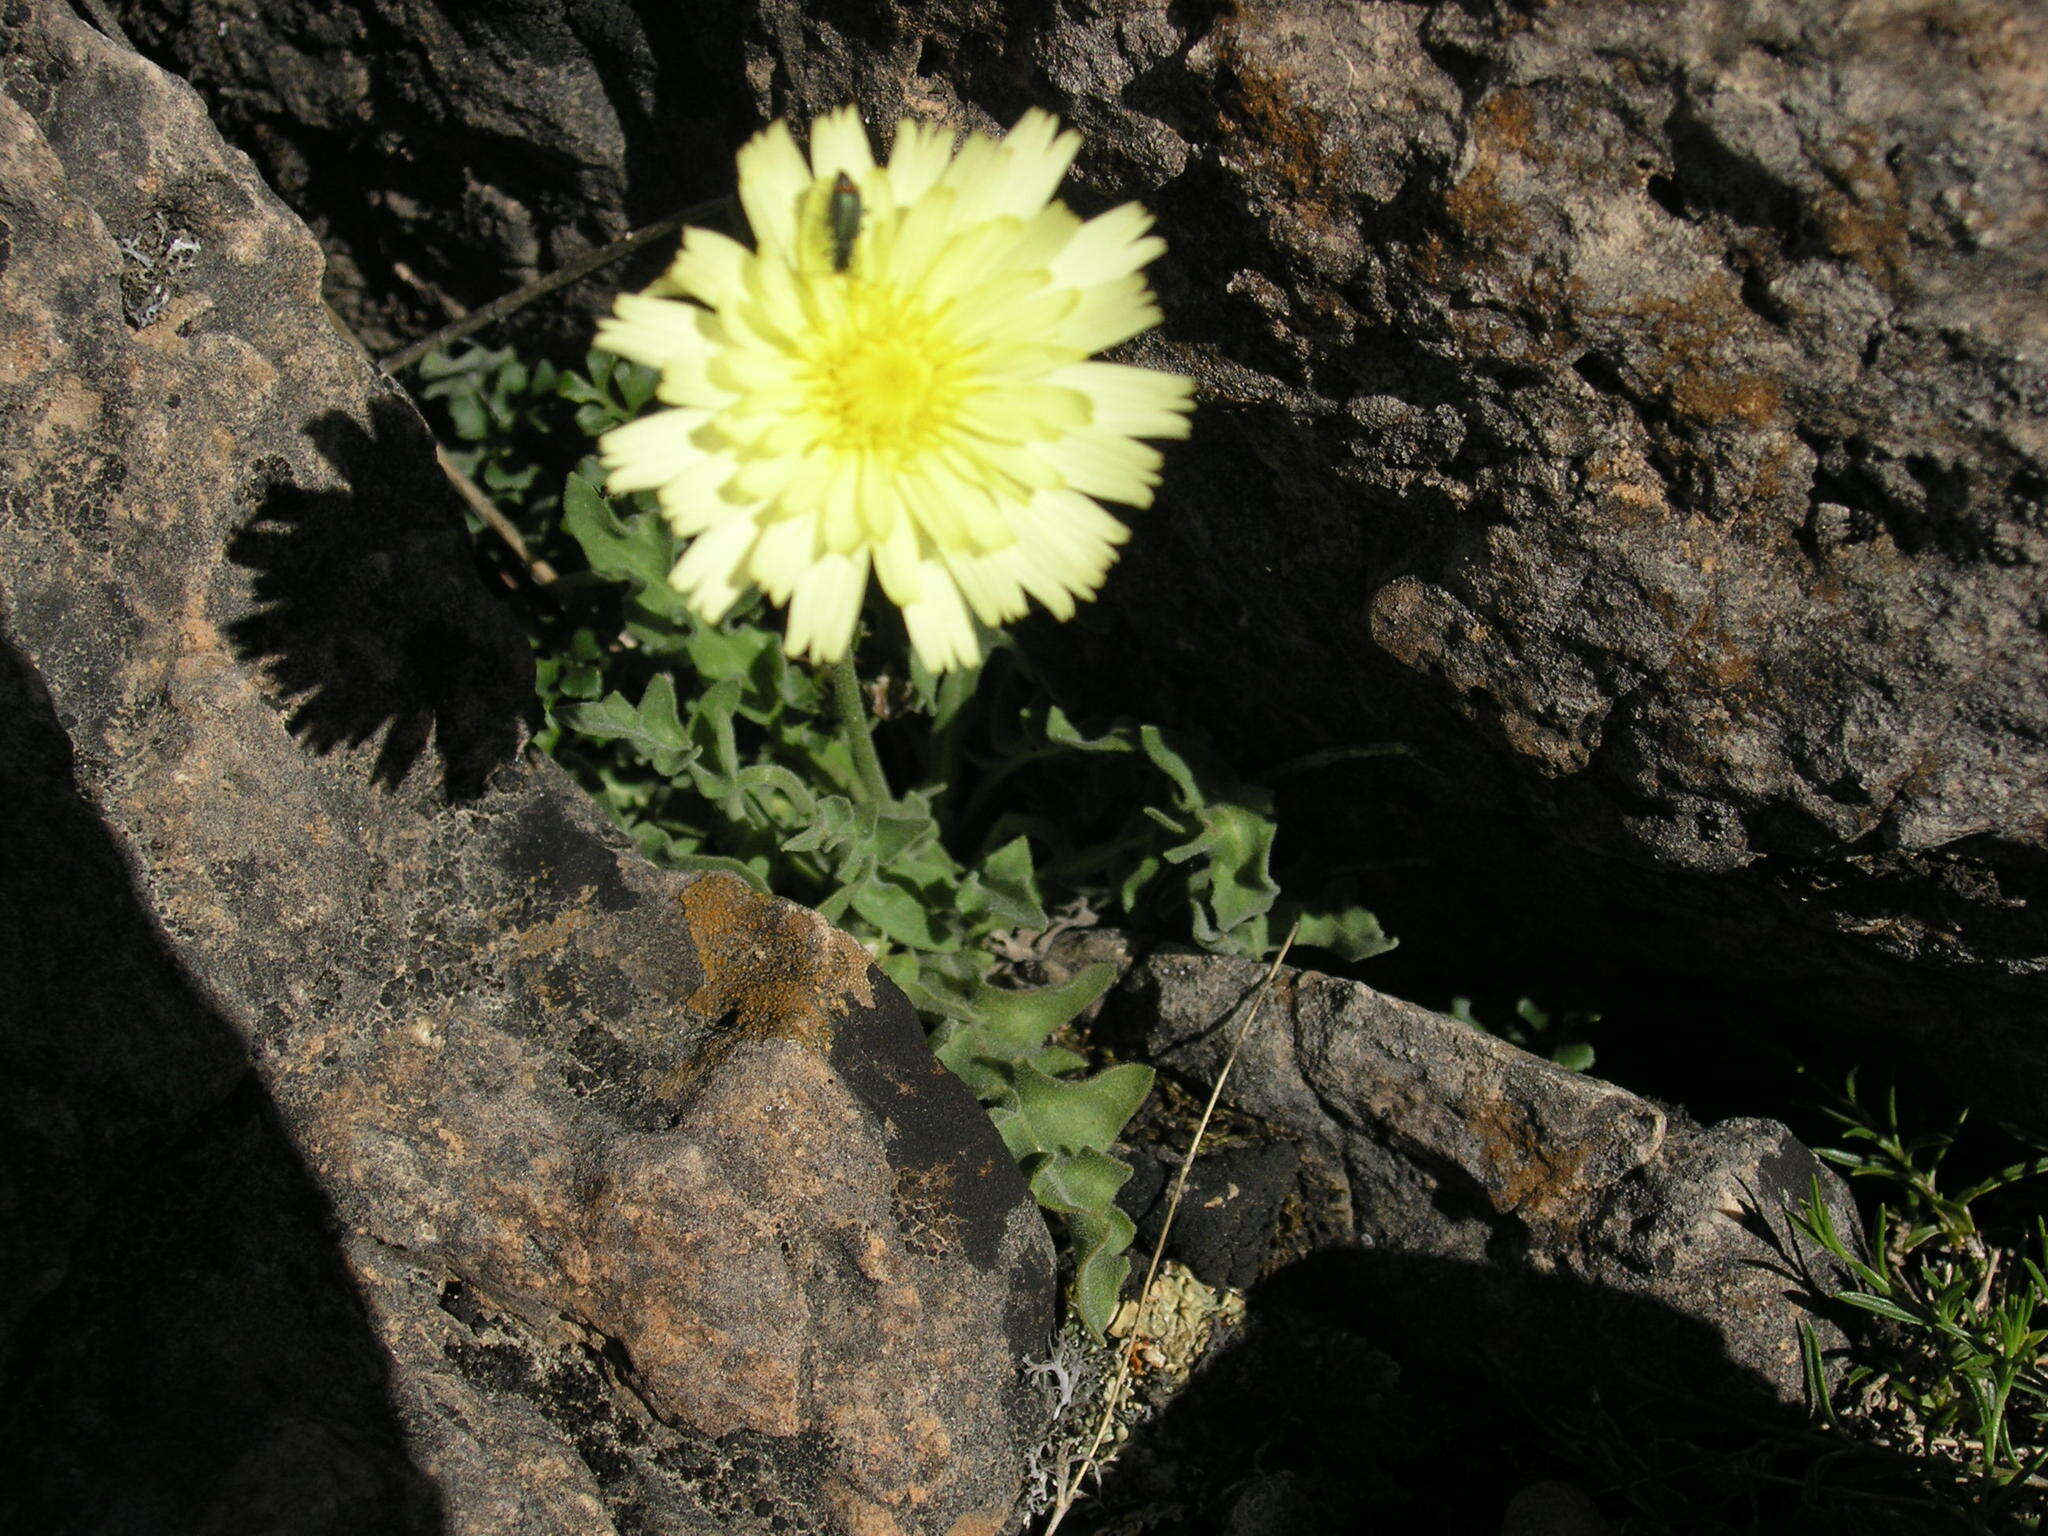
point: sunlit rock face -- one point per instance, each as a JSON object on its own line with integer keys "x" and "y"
{"x": 400, "y": 1151}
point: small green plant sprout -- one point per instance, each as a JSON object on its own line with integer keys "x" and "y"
{"x": 1558, "y": 1037}
{"x": 1955, "y": 1369}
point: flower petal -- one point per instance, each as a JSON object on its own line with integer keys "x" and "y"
{"x": 1025, "y": 412}
{"x": 899, "y": 564}
{"x": 1110, "y": 245}
{"x": 826, "y": 605}
{"x": 1070, "y": 553}
{"x": 784, "y": 551}
{"x": 1037, "y": 157}
{"x": 772, "y": 178}
{"x": 709, "y": 268}
{"x": 709, "y": 574}
{"x": 990, "y": 586}
{"x": 940, "y": 630}
{"x": 1137, "y": 402}
{"x": 1106, "y": 465}
{"x": 840, "y": 143}
{"x": 1107, "y": 314}
{"x": 646, "y": 452}
{"x": 955, "y": 510}
{"x": 703, "y": 495}
{"x": 652, "y": 331}
{"x": 917, "y": 159}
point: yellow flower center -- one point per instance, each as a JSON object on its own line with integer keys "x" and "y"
{"x": 883, "y": 392}
{"x": 889, "y": 383}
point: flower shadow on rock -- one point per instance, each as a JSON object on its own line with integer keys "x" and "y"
{"x": 369, "y": 615}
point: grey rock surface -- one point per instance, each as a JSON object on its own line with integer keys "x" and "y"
{"x": 392, "y": 1148}
{"x": 1668, "y": 1241}
{"x": 1635, "y": 408}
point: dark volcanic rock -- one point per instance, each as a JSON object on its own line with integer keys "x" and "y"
{"x": 447, "y": 153}
{"x": 1634, "y": 408}
{"x": 1558, "y": 1215}
{"x": 391, "y": 1148}
{"x": 1227, "y": 1213}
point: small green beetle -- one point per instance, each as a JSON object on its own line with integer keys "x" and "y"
{"x": 844, "y": 217}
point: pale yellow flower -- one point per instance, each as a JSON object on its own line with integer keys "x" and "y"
{"x": 929, "y": 411}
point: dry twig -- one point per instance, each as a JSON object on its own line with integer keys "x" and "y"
{"x": 474, "y": 498}
{"x": 519, "y": 298}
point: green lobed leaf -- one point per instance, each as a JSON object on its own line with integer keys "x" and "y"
{"x": 1007, "y": 886}
{"x": 1003, "y": 1024}
{"x": 717, "y": 764}
{"x": 1069, "y": 1115}
{"x": 1575, "y": 1056}
{"x": 1081, "y": 1190}
{"x": 1351, "y": 933}
{"x": 639, "y": 552}
{"x": 470, "y": 417}
{"x": 611, "y": 391}
{"x": 905, "y": 830}
{"x": 650, "y": 728}
{"x": 1062, "y": 732}
{"x": 898, "y": 914}
{"x": 836, "y": 823}
{"x": 719, "y": 653}
{"x": 1237, "y": 842}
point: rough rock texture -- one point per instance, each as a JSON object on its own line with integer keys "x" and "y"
{"x": 1432, "y": 1140}
{"x": 1636, "y": 408}
{"x": 1552, "y": 1508}
{"x": 448, "y": 153}
{"x": 1228, "y": 1212}
{"x": 391, "y": 1148}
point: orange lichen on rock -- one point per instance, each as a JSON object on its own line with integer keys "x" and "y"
{"x": 1283, "y": 137}
{"x": 1503, "y": 127}
{"x": 776, "y": 969}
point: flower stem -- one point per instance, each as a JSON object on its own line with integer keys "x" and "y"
{"x": 853, "y": 723}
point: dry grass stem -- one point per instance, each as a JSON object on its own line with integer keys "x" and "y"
{"x": 1070, "y": 1486}
{"x": 473, "y": 497}
{"x": 519, "y": 298}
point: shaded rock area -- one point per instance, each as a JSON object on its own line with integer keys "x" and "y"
{"x": 1487, "y": 1264}
{"x": 1634, "y": 409}
{"x": 446, "y": 154}
{"x": 392, "y": 1148}
{"x": 1566, "y": 1227}
{"x": 1228, "y": 1212}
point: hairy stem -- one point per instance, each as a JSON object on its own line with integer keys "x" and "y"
{"x": 853, "y": 722}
